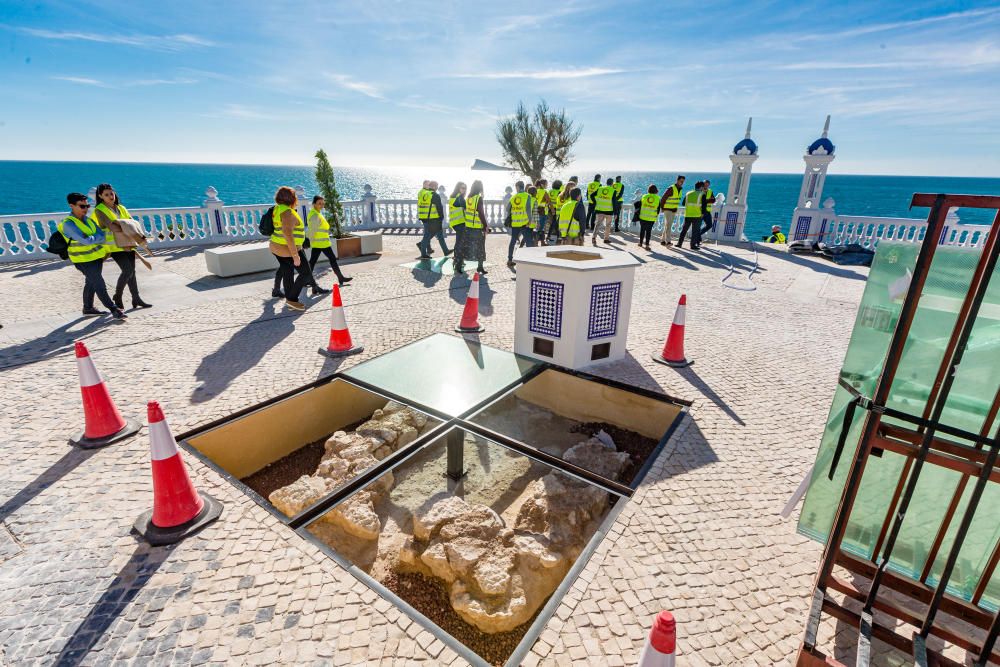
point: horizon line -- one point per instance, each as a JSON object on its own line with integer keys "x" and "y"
{"x": 417, "y": 166}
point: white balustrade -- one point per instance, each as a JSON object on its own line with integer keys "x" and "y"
{"x": 25, "y": 237}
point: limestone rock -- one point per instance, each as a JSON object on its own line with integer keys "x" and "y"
{"x": 301, "y": 493}
{"x": 598, "y": 457}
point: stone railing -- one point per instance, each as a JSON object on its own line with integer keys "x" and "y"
{"x": 25, "y": 237}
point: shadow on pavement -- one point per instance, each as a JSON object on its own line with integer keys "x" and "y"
{"x": 55, "y": 472}
{"x": 241, "y": 352}
{"x": 818, "y": 264}
{"x": 119, "y": 594}
{"x": 54, "y": 343}
{"x": 692, "y": 378}
{"x": 33, "y": 267}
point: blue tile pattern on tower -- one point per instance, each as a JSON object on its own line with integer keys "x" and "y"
{"x": 731, "y": 218}
{"x": 604, "y": 302}
{"x": 546, "y": 306}
{"x": 802, "y": 227}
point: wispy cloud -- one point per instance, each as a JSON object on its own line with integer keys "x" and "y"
{"x": 908, "y": 25}
{"x": 180, "y": 81}
{"x": 543, "y": 74}
{"x": 348, "y": 83}
{"x": 835, "y": 64}
{"x": 176, "y": 42}
{"x": 83, "y": 81}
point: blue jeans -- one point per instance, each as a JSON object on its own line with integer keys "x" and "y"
{"x": 432, "y": 229}
{"x": 517, "y": 233}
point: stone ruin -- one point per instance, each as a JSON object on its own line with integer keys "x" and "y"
{"x": 345, "y": 456}
{"x": 500, "y": 576}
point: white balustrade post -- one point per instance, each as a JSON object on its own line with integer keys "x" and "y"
{"x": 369, "y": 212}
{"x": 828, "y": 220}
{"x": 951, "y": 229}
{"x": 304, "y": 203}
{"x": 92, "y": 196}
{"x": 212, "y": 212}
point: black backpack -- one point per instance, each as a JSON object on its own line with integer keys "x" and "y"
{"x": 266, "y": 226}
{"x": 57, "y": 245}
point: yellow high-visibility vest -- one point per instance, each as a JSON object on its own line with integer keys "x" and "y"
{"x": 592, "y": 188}
{"x": 672, "y": 198}
{"x": 472, "y": 219}
{"x": 776, "y": 237}
{"x": 83, "y": 252}
{"x": 650, "y": 207}
{"x": 109, "y": 237}
{"x": 456, "y": 214}
{"x": 519, "y": 209}
{"x": 692, "y": 204}
{"x": 298, "y": 232}
{"x": 708, "y": 195}
{"x": 555, "y": 203}
{"x": 424, "y": 209}
{"x": 603, "y": 199}
{"x": 568, "y": 225}
{"x": 322, "y": 237}
{"x": 618, "y": 187}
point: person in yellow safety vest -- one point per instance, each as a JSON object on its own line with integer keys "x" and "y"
{"x": 541, "y": 197}
{"x": 519, "y": 215}
{"x": 604, "y": 205}
{"x": 555, "y": 204}
{"x": 617, "y": 202}
{"x": 87, "y": 250}
{"x": 649, "y": 209}
{"x": 592, "y": 188}
{"x": 430, "y": 212}
{"x": 708, "y": 198}
{"x": 109, "y": 210}
{"x": 668, "y": 204}
{"x": 692, "y": 216}
{"x": 776, "y": 235}
{"x": 572, "y": 218}
{"x": 286, "y": 245}
{"x": 320, "y": 242}
{"x": 456, "y": 220}
{"x": 476, "y": 227}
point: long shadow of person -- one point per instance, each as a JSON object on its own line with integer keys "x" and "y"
{"x": 241, "y": 352}
{"x": 52, "y": 344}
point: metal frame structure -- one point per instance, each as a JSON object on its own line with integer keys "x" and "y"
{"x": 921, "y": 441}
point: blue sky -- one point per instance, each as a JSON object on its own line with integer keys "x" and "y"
{"x": 662, "y": 86}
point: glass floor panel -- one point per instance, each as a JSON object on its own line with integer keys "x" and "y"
{"x": 480, "y": 556}
{"x": 442, "y": 265}
{"x": 464, "y": 372}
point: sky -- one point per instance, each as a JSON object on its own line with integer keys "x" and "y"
{"x": 911, "y": 85}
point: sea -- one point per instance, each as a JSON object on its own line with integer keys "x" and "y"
{"x": 41, "y": 187}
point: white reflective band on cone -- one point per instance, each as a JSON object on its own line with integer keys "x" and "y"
{"x": 679, "y": 316}
{"x": 161, "y": 441}
{"x": 474, "y": 290}
{"x": 337, "y": 320}
{"x": 88, "y": 372}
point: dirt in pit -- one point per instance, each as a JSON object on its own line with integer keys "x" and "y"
{"x": 284, "y": 471}
{"x": 430, "y": 597}
{"x": 638, "y": 447}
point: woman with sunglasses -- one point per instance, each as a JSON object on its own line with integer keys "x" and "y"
{"x": 109, "y": 210}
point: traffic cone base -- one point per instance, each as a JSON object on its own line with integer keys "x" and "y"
{"x": 157, "y": 536}
{"x": 83, "y": 442}
{"x": 478, "y": 329}
{"x": 346, "y": 353}
{"x": 673, "y": 364}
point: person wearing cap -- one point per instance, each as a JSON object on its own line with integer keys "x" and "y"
{"x": 776, "y": 235}
{"x": 87, "y": 249}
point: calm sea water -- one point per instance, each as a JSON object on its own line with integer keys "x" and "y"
{"x": 42, "y": 186}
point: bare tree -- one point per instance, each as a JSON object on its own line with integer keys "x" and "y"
{"x": 535, "y": 142}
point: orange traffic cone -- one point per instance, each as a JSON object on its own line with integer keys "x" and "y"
{"x": 673, "y": 350}
{"x": 470, "y": 316}
{"x": 340, "y": 344}
{"x": 103, "y": 424}
{"x": 178, "y": 509}
{"x": 661, "y": 644}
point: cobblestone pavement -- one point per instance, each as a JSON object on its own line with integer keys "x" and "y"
{"x": 702, "y": 536}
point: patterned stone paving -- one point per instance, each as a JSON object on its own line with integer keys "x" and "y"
{"x": 702, "y": 537}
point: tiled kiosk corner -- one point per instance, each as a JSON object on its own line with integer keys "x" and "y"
{"x": 466, "y": 485}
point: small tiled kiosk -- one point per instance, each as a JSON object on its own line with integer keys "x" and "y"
{"x": 573, "y": 304}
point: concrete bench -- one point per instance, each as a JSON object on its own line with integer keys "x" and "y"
{"x": 237, "y": 260}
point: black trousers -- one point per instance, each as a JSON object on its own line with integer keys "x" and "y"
{"x": 645, "y": 231}
{"x": 294, "y": 283}
{"x": 709, "y": 221}
{"x": 316, "y": 253}
{"x": 591, "y": 215}
{"x": 618, "y": 214}
{"x": 694, "y": 224}
{"x": 94, "y": 284}
{"x": 125, "y": 259}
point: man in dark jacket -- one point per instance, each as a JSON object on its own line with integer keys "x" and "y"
{"x": 431, "y": 216}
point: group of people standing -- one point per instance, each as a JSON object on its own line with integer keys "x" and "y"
{"x": 466, "y": 218}
{"x": 92, "y": 237}
{"x": 696, "y": 205}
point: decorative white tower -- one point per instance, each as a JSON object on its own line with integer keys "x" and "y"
{"x": 733, "y": 214}
{"x": 808, "y": 221}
